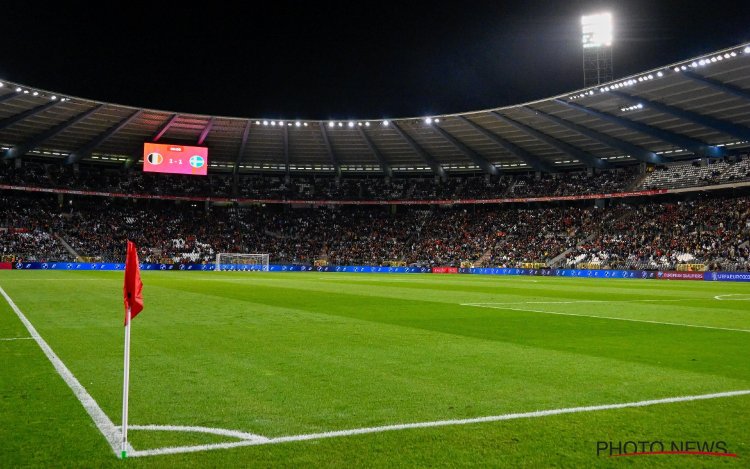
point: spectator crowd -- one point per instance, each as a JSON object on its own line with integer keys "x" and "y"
{"x": 711, "y": 231}
{"x": 97, "y": 178}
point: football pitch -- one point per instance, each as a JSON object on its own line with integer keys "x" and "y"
{"x": 328, "y": 369}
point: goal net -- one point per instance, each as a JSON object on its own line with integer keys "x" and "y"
{"x": 233, "y": 261}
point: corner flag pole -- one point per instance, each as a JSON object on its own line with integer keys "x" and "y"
{"x": 133, "y": 296}
{"x": 125, "y": 386}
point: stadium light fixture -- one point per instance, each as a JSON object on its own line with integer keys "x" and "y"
{"x": 281, "y": 123}
{"x": 305, "y": 124}
{"x": 53, "y": 98}
{"x": 428, "y": 120}
{"x": 331, "y": 124}
{"x": 273, "y": 123}
{"x": 350, "y": 124}
{"x": 25, "y": 91}
{"x": 341, "y": 124}
{"x": 298, "y": 124}
{"x": 597, "y": 30}
{"x": 35, "y": 93}
{"x": 367, "y": 124}
{"x": 437, "y": 121}
{"x": 386, "y": 123}
{"x": 747, "y": 50}
{"x": 18, "y": 90}
{"x": 1, "y": 84}
{"x": 265, "y": 123}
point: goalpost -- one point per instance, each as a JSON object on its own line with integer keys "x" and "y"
{"x": 235, "y": 261}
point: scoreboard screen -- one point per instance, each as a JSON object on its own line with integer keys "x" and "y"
{"x": 175, "y": 159}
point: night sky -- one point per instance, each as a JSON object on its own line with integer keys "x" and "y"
{"x": 321, "y": 60}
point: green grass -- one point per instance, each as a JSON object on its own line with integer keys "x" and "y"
{"x": 291, "y": 353}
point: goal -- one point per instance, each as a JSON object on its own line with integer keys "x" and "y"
{"x": 233, "y": 261}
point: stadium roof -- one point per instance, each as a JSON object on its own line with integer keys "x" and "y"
{"x": 697, "y": 107}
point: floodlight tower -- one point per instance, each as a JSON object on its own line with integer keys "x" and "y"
{"x": 597, "y": 48}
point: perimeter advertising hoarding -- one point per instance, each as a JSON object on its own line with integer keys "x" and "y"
{"x": 175, "y": 159}
{"x": 601, "y": 274}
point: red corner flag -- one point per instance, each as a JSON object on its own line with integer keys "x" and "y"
{"x": 133, "y": 288}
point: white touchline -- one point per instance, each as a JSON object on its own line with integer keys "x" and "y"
{"x": 103, "y": 423}
{"x": 437, "y": 423}
{"x": 611, "y": 318}
{"x": 17, "y": 338}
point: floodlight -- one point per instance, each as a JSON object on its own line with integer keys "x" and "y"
{"x": 597, "y": 30}
{"x": 331, "y": 124}
{"x": 351, "y": 124}
{"x": 297, "y": 124}
{"x": 386, "y": 123}
{"x": 1, "y": 84}
{"x": 18, "y": 90}
{"x": 428, "y": 120}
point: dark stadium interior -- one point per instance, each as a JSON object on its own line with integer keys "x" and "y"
{"x": 650, "y": 171}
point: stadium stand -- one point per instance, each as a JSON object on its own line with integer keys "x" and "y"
{"x": 694, "y": 174}
{"x": 275, "y": 187}
{"x": 650, "y": 235}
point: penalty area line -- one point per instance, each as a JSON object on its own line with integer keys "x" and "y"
{"x": 432, "y": 424}
{"x": 610, "y": 318}
{"x": 111, "y": 433}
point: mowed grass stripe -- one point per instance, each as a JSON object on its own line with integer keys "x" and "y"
{"x": 638, "y": 342}
{"x": 700, "y": 303}
{"x": 546, "y": 289}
